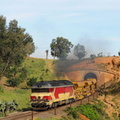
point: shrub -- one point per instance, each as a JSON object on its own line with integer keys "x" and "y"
{"x": 115, "y": 89}
{"x": 89, "y": 111}
{"x": 23, "y": 74}
{"x": 31, "y": 81}
{"x": 92, "y": 111}
{"x": 7, "y": 107}
{"x": 13, "y": 82}
{"x": 73, "y": 112}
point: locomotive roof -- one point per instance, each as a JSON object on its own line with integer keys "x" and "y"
{"x": 51, "y": 84}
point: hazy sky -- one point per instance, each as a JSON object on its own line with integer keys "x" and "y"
{"x": 92, "y": 23}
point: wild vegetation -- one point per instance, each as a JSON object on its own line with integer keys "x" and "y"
{"x": 92, "y": 111}
{"x": 44, "y": 69}
{"x": 60, "y": 47}
{"x": 15, "y": 46}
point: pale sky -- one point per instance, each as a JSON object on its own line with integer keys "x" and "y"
{"x": 92, "y": 23}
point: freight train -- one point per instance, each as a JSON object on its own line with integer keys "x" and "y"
{"x": 50, "y": 94}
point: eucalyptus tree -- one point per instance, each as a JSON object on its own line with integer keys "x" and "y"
{"x": 3, "y": 37}
{"x": 60, "y": 47}
{"x": 15, "y": 45}
{"x": 119, "y": 53}
{"x": 79, "y": 51}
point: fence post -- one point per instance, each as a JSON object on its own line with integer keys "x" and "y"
{"x": 70, "y": 104}
{"x": 93, "y": 96}
{"x": 55, "y": 111}
{"x": 81, "y": 101}
{"x": 32, "y": 114}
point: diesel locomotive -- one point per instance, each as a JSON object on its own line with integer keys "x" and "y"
{"x": 50, "y": 94}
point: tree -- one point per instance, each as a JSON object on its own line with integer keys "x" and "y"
{"x": 32, "y": 81}
{"x": 100, "y": 54}
{"x": 3, "y": 37}
{"x": 79, "y": 51}
{"x": 60, "y": 47}
{"x": 16, "y": 76}
{"x": 92, "y": 56}
{"x": 119, "y": 53}
{"x": 15, "y": 45}
{"x": 28, "y": 44}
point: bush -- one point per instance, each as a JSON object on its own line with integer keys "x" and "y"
{"x": 13, "y": 82}
{"x": 89, "y": 111}
{"x": 7, "y": 107}
{"x": 23, "y": 74}
{"x": 73, "y": 112}
{"x": 92, "y": 111}
{"x": 31, "y": 81}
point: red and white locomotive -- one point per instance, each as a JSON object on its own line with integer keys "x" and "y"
{"x": 50, "y": 94}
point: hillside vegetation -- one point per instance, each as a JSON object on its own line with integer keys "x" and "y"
{"x": 45, "y": 69}
{"x": 41, "y": 69}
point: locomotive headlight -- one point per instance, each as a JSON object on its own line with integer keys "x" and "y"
{"x": 33, "y": 97}
{"x": 47, "y": 98}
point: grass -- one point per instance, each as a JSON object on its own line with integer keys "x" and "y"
{"x": 39, "y": 68}
{"x": 91, "y": 111}
{"x": 34, "y": 67}
{"x": 22, "y": 97}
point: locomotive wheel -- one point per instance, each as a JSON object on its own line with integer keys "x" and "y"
{"x": 70, "y": 101}
{"x": 54, "y": 105}
{"x": 67, "y": 102}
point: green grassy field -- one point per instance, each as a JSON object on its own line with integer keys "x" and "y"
{"x": 40, "y": 68}
{"x": 22, "y": 97}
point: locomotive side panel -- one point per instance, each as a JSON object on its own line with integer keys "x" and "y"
{"x": 63, "y": 92}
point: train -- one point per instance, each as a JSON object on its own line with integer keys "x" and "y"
{"x": 50, "y": 94}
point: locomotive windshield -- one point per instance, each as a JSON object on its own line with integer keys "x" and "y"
{"x": 37, "y": 90}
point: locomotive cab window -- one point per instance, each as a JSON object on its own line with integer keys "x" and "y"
{"x": 37, "y": 90}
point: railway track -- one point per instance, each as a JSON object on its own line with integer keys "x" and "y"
{"x": 30, "y": 115}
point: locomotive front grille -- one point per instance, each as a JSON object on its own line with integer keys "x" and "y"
{"x": 38, "y": 105}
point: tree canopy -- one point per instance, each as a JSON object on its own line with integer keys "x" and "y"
{"x": 60, "y": 47}
{"x": 79, "y": 51}
{"x": 119, "y": 53}
{"x": 92, "y": 56}
{"x": 15, "y": 45}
